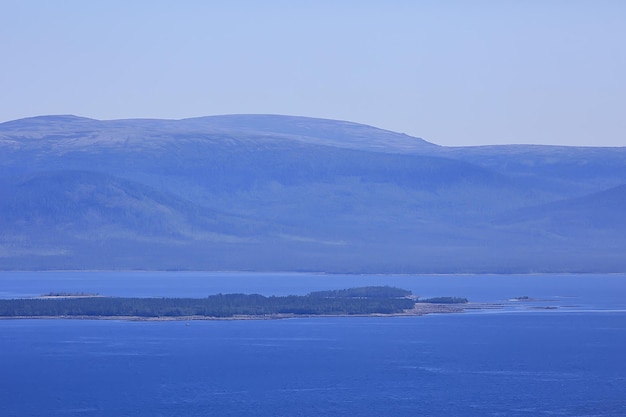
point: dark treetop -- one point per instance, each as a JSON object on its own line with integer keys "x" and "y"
{"x": 367, "y": 300}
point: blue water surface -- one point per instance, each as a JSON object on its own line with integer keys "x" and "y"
{"x": 563, "y": 362}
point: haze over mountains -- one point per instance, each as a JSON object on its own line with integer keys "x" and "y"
{"x": 262, "y": 192}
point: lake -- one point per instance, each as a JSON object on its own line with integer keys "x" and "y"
{"x": 522, "y": 360}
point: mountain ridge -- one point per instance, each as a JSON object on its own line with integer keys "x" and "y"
{"x": 271, "y": 192}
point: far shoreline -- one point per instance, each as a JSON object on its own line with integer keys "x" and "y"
{"x": 321, "y": 273}
{"x": 420, "y": 309}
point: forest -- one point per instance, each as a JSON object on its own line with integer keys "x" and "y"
{"x": 353, "y": 301}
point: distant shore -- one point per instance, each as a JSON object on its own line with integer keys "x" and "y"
{"x": 372, "y": 301}
{"x": 420, "y": 309}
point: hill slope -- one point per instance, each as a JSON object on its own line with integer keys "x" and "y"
{"x": 269, "y": 192}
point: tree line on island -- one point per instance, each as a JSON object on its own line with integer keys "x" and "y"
{"x": 352, "y": 301}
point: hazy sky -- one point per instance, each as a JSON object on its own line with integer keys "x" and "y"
{"x": 452, "y": 72}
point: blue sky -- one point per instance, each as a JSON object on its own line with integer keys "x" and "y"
{"x": 451, "y": 72}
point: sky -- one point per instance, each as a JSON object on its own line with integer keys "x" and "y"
{"x": 452, "y": 72}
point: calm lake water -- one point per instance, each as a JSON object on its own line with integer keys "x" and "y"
{"x": 517, "y": 361}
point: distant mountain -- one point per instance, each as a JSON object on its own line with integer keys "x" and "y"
{"x": 265, "y": 192}
{"x": 597, "y": 213}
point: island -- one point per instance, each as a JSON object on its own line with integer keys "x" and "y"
{"x": 522, "y": 298}
{"x": 63, "y": 294}
{"x": 360, "y": 301}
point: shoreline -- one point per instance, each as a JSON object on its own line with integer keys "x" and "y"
{"x": 328, "y": 273}
{"x": 420, "y": 309}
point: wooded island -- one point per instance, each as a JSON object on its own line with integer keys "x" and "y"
{"x": 351, "y": 301}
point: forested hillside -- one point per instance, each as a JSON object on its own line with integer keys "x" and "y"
{"x": 260, "y": 192}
